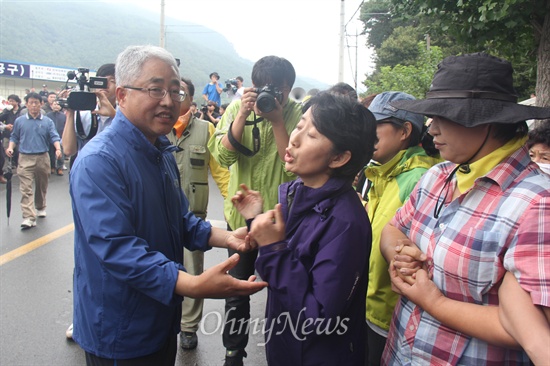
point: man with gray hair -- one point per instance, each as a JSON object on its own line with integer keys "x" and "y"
{"x": 132, "y": 221}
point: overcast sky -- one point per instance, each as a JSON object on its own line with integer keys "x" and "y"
{"x": 306, "y": 32}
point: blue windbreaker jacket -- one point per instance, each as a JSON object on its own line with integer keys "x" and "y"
{"x": 131, "y": 222}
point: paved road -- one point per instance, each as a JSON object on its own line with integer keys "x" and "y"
{"x": 36, "y": 289}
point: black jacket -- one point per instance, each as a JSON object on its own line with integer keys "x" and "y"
{"x": 8, "y": 117}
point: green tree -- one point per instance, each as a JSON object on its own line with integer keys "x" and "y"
{"x": 414, "y": 79}
{"x": 518, "y": 30}
{"x": 378, "y": 21}
{"x": 394, "y": 36}
{"x": 401, "y": 48}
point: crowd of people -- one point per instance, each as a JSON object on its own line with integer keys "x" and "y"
{"x": 382, "y": 239}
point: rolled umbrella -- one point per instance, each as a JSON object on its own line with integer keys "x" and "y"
{"x": 8, "y": 174}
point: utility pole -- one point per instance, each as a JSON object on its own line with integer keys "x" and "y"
{"x": 162, "y": 30}
{"x": 341, "y": 50}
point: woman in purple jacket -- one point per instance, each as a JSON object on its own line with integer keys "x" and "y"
{"x": 315, "y": 244}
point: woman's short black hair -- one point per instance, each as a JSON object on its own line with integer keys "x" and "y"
{"x": 348, "y": 125}
{"x": 539, "y": 135}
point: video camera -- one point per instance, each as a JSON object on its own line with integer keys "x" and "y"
{"x": 80, "y": 98}
{"x": 232, "y": 85}
{"x": 266, "y": 98}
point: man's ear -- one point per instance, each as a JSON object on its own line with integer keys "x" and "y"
{"x": 121, "y": 93}
{"x": 340, "y": 160}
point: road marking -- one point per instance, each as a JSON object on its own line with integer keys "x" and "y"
{"x": 22, "y": 250}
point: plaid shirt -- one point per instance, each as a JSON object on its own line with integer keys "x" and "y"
{"x": 501, "y": 224}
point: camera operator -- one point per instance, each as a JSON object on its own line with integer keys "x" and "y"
{"x": 239, "y": 81}
{"x": 213, "y": 90}
{"x": 261, "y": 170}
{"x": 210, "y": 113}
{"x": 72, "y": 143}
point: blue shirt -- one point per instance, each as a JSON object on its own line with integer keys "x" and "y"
{"x": 212, "y": 93}
{"x": 34, "y": 135}
{"x": 131, "y": 223}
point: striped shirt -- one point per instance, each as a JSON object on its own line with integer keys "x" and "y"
{"x": 500, "y": 224}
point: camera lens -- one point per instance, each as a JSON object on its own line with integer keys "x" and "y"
{"x": 265, "y": 102}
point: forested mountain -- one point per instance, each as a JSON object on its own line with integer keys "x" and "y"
{"x": 89, "y": 34}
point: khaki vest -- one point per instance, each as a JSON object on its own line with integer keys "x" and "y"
{"x": 192, "y": 160}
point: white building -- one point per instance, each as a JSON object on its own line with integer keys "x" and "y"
{"x": 16, "y": 76}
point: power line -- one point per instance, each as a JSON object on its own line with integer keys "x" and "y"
{"x": 358, "y": 8}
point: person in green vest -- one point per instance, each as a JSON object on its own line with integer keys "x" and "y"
{"x": 403, "y": 153}
{"x": 190, "y": 135}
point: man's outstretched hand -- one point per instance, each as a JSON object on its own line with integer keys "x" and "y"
{"x": 217, "y": 283}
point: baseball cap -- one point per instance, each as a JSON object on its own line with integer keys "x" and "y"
{"x": 382, "y": 109}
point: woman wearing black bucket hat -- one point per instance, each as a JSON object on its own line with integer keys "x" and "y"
{"x": 469, "y": 220}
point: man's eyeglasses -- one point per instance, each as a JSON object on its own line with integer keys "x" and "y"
{"x": 160, "y": 93}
